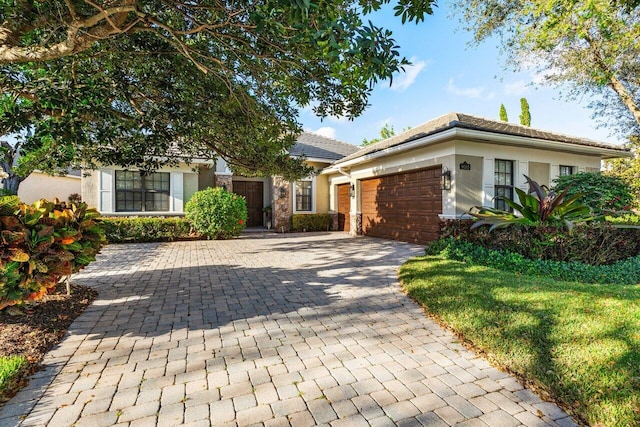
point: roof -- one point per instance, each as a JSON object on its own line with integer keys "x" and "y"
{"x": 467, "y": 121}
{"x": 321, "y": 147}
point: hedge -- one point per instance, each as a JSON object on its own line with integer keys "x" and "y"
{"x": 217, "y": 213}
{"x": 593, "y": 243}
{"x": 147, "y": 229}
{"x": 626, "y": 272}
{"x": 310, "y": 222}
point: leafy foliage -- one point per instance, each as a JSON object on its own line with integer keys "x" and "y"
{"x": 41, "y": 243}
{"x": 628, "y": 169}
{"x": 503, "y": 113}
{"x": 589, "y": 243}
{"x": 525, "y": 114}
{"x": 10, "y": 369}
{"x": 626, "y": 271}
{"x": 127, "y": 81}
{"x": 217, "y": 213}
{"x": 310, "y": 222}
{"x": 593, "y": 47}
{"x": 627, "y": 219}
{"x": 143, "y": 229}
{"x": 603, "y": 193}
{"x": 540, "y": 207}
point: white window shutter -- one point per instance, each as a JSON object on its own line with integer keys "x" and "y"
{"x": 106, "y": 190}
{"x": 177, "y": 192}
{"x": 488, "y": 182}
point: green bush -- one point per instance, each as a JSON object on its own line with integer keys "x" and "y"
{"x": 146, "y": 229}
{"x": 603, "y": 193}
{"x": 628, "y": 219}
{"x": 10, "y": 369}
{"x": 625, "y": 272}
{"x": 217, "y": 213}
{"x": 41, "y": 244}
{"x": 592, "y": 243}
{"x": 310, "y": 222}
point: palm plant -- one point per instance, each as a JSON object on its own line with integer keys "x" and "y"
{"x": 537, "y": 207}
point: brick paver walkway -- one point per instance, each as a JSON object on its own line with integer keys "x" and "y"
{"x": 267, "y": 330}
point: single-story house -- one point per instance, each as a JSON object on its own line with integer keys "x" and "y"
{"x": 398, "y": 188}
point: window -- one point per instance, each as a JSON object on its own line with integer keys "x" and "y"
{"x": 503, "y": 181}
{"x": 136, "y": 192}
{"x": 304, "y": 196}
{"x": 566, "y": 170}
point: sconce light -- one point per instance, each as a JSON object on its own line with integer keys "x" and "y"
{"x": 224, "y": 187}
{"x": 352, "y": 191}
{"x": 445, "y": 179}
{"x": 283, "y": 192}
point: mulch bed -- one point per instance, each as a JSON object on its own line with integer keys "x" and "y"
{"x": 34, "y": 328}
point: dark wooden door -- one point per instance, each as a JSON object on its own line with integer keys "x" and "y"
{"x": 344, "y": 206}
{"x": 252, "y": 192}
{"x": 403, "y": 206}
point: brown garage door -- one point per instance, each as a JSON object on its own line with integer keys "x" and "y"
{"x": 252, "y": 191}
{"x": 344, "y": 206}
{"x": 403, "y": 206}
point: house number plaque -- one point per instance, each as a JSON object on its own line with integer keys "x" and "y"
{"x": 464, "y": 166}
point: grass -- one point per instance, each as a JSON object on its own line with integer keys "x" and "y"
{"x": 10, "y": 369}
{"x": 578, "y": 342}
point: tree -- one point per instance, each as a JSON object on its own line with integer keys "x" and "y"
{"x": 525, "y": 115}
{"x": 503, "y": 113}
{"x": 126, "y": 81}
{"x": 386, "y": 132}
{"x": 593, "y": 47}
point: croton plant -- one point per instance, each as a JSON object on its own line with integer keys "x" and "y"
{"x": 42, "y": 243}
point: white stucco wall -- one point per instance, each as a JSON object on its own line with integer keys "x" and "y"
{"x": 42, "y": 186}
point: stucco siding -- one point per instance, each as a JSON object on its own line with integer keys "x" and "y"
{"x": 42, "y": 186}
{"x": 467, "y": 182}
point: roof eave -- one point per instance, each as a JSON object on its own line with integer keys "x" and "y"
{"x": 487, "y": 137}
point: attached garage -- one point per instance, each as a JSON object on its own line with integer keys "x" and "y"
{"x": 403, "y": 206}
{"x": 344, "y": 206}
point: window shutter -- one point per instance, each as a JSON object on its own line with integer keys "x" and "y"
{"x": 106, "y": 190}
{"x": 177, "y": 192}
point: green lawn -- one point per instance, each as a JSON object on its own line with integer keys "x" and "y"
{"x": 579, "y": 342}
{"x": 10, "y": 368}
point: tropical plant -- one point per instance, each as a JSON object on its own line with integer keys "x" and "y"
{"x": 41, "y": 244}
{"x": 537, "y": 207}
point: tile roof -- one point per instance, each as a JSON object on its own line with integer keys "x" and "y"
{"x": 467, "y": 121}
{"x": 320, "y": 147}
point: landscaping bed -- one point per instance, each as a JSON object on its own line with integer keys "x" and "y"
{"x": 576, "y": 343}
{"x": 33, "y": 329}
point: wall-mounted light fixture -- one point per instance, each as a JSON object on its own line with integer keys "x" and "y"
{"x": 352, "y": 190}
{"x": 283, "y": 192}
{"x": 224, "y": 187}
{"x": 445, "y": 179}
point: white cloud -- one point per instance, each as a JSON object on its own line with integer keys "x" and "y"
{"x": 406, "y": 78}
{"x": 327, "y": 131}
{"x": 516, "y": 88}
{"x": 472, "y": 92}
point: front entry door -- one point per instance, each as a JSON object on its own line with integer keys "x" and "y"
{"x": 252, "y": 192}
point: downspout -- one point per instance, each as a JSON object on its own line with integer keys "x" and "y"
{"x": 347, "y": 174}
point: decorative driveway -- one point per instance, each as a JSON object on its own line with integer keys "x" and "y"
{"x": 300, "y": 329}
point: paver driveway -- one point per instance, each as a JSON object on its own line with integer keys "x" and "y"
{"x": 296, "y": 330}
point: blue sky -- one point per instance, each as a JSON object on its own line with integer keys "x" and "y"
{"x": 449, "y": 75}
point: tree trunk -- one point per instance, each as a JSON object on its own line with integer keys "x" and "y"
{"x": 626, "y": 97}
{"x": 12, "y": 183}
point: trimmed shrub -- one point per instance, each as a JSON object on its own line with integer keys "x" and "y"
{"x": 625, "y": 272}
{"x": 593, "y": 243}
{"x": 41, "y": 244}
{"x": 310, "y": 222}
{"x": 147, "y": 229}
{"x": 604, "y": 194}
{"x": 217, "y": 213}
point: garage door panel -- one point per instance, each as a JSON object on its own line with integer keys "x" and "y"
{"x": 403, "y": 206}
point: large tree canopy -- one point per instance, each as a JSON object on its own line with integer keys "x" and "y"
{"x": 594, "y": 46}
{"x": 126, "y": 81}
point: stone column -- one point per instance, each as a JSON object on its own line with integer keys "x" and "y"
{"x": 224, "y": 180}
{"x": 356, "y": 224}
{"x": 334, "y": 220}
{"x": 281, "y": 207}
